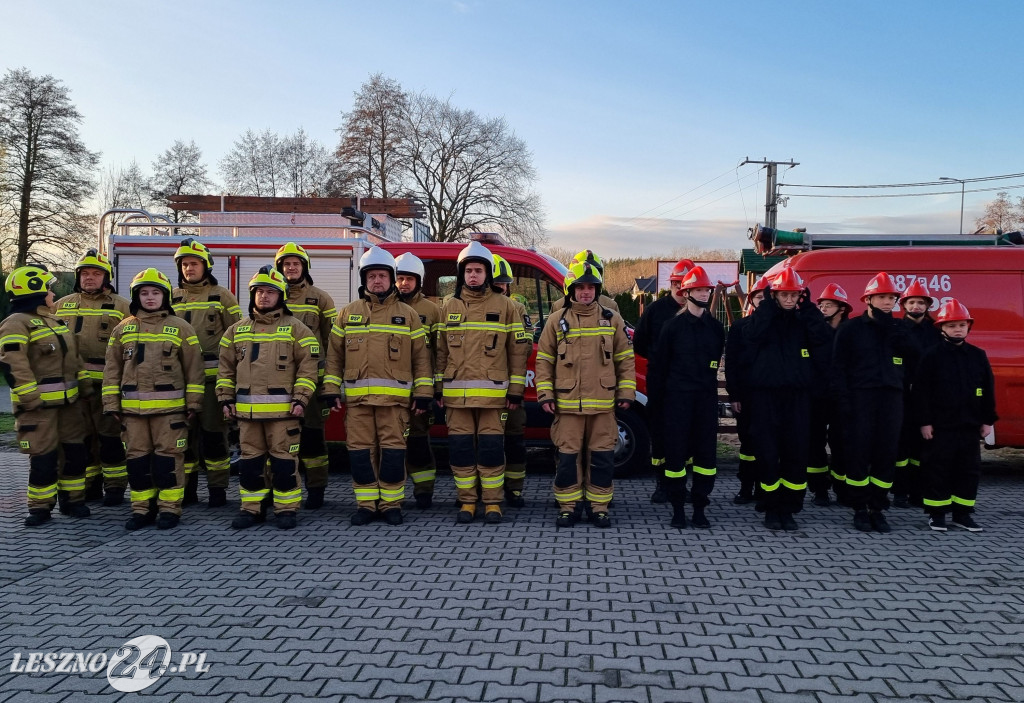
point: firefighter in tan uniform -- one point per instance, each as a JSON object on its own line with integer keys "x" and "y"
{"x": 587, "y": 256}
{"x": 481, "y": 371}
{"x": 585, "y": 368}
{"x": 39, "y": 360}
{"x": 515, "y": 425}
{"x": 210, "y": 309}
{"x": 419, "y": 457}
{"x": 153, "y": 384}
{"x": 91, "y": 313}
{"x": 379, "y": 363}
{"x": 269, "y": 364}
{"x": 315, "y": 309}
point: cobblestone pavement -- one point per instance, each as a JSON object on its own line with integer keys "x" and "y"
{"x": 520, "y": 611}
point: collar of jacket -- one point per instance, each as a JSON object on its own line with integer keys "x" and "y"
{"x": 374, "y": 298}
{"x": 196, "y": 287}
{"x": 151, "y": 315}
{"x": 103, "y": 295}
{"x": 585, "y": 308}
{"x": 411, "y": 298}
{"x": 269, "y": 317}
{"x": 476, "y": 295}
{"x": 297, "y": 289}
{"x": 693, "y": 319}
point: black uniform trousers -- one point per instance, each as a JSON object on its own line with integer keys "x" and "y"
{"x": 690, "y": 429}
{"x": 817, "y": 453}
{"x": 780, "y": 426}
{"x": 907, "y": 479}
{"x": 951, "y": 466}
{"x": 748, "y": 458}
{"x": 872, "y": 420}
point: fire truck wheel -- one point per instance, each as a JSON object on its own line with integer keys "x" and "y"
{"x": 633, "y": 447}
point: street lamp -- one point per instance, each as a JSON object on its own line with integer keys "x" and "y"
{"x": 961, "y": 182}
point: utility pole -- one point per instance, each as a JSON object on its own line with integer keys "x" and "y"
{"x": 771, "y": 197}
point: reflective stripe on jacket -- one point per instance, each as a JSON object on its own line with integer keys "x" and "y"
{"x": 585, "y": 361}
{"x": 267, "y": 362}
{"x": 210, "y": 309}
{"x": 378, "y": 353}
{"x": 92, "y": 318}
{"x": 154, "y": 366}
{"x": 481, "y": 350}
{"x": 39, "y": 359}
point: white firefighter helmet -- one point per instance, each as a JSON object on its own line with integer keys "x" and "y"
{"x": 410, "y": 265}
{"x": 376, "y": 258}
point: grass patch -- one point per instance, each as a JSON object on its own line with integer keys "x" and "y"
{"x": 6, "y": 423}
{"x": 728, "y": 452}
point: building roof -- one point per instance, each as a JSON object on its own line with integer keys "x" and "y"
{"x": 647, "y": 285}
{"x": 752, "y": 262}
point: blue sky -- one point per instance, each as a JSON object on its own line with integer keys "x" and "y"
{"x": 627, "y": 107}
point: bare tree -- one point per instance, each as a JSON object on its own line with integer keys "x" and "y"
{"x": 254, "y": 166}
{"x": 474, "y": 173}
{"x": 1000, "y": 214}
{"x": 179, "y": 170}
{"x": 122, "y": 187}
{"x": 47, "y": 172}
{"x": 306, "y": 165}
{"x": 367, "y": 157}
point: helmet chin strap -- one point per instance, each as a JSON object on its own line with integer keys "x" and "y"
{"x": 875, "y": 312}
{"x": 703, "y": 304}
{"x": 915, "y": 315}
{"x": 952, "y": 340}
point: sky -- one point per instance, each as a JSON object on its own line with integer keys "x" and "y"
{"x": 637, "y": 114}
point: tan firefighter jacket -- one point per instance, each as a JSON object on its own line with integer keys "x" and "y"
{"x": 267, "y": 362}
{"x": 378, "y": 353}
{"x": 39, "y": 359}
{"x": 154, "y": 366}
{"x": 585, "y": 360}
{"x": 481, "y": 351}
{"x": 430, "y": 317}
{"x": 210, "y": 309}
{"x": 92, "y": 318}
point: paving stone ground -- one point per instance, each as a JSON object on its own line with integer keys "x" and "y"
{"x": 521, "y": 611}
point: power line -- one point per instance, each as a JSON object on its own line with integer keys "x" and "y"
{"x": 905, "y": 195}
{"x": 665, "y": 214}
{"x": 909, "y": 185}
{"x": 675, "y": 198}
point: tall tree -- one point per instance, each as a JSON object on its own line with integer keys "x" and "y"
{"x": 1001, "y": 214}
{"x": 473, "y": 172}
{"x": 254, "y": 166}
{"x": 122, "y": 187}
{"x": 47, "y": 172}
{"x": 179, "y": 170}
{"x": 368, "y": 158}
{"x": 306, "y": 166}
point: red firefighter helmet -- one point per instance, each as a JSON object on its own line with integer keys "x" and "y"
{"x": 788, "y": 280}
{"x": 680, "y": 269}
{"x": 835, "y": 293}
{"x": 761, "y": 284}
{"x": 953, "y": 311}
{"x": 881, "y": 284}
{"x": 696, "y": 278}
{"x": 916, "y": 290}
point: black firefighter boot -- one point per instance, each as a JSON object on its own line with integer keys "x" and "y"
{"x": 660, "y": 494}
{"x": 191, "y": 489}
{"x": 314, "y": 498}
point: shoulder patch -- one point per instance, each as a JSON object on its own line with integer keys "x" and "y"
{"x": 398, "y": 320}
{"x": 284, "y": 328}
{"x": 37, "y": 322}
{"x": 312, "y": 301}
{"x": 492, "y": 316}
{"x": 454, "y": 318}
{"x": 522, "y": 337}
{"x": 70, "y": 305}
{"x": 244, "y": 328}
{"x": 168, "y": 329}
{"x": 215, "y": 298}
{"x": 130, "y": 327}
{"x": 355, "y": 319}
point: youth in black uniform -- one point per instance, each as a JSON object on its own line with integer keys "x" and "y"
{"x": 868, "y": 358}
{"x": 786, "y": 333}
{"x": 954, "y": 400}
{"x": 645, "y": 342}
{"x": 906, "y": 486}
{"x": 683, "y": 383}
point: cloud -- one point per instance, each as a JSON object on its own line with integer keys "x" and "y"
{"x": 614, "y": 236}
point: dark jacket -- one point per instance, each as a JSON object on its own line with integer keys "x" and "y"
{"x": 736, "y": 364}
{"x": 870, "y": 353}
{"x": 781, "y": 345}
{"x": 686, "y": 358}
{"x": 648, "y": 329}
{"x": 954, "y": 387}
